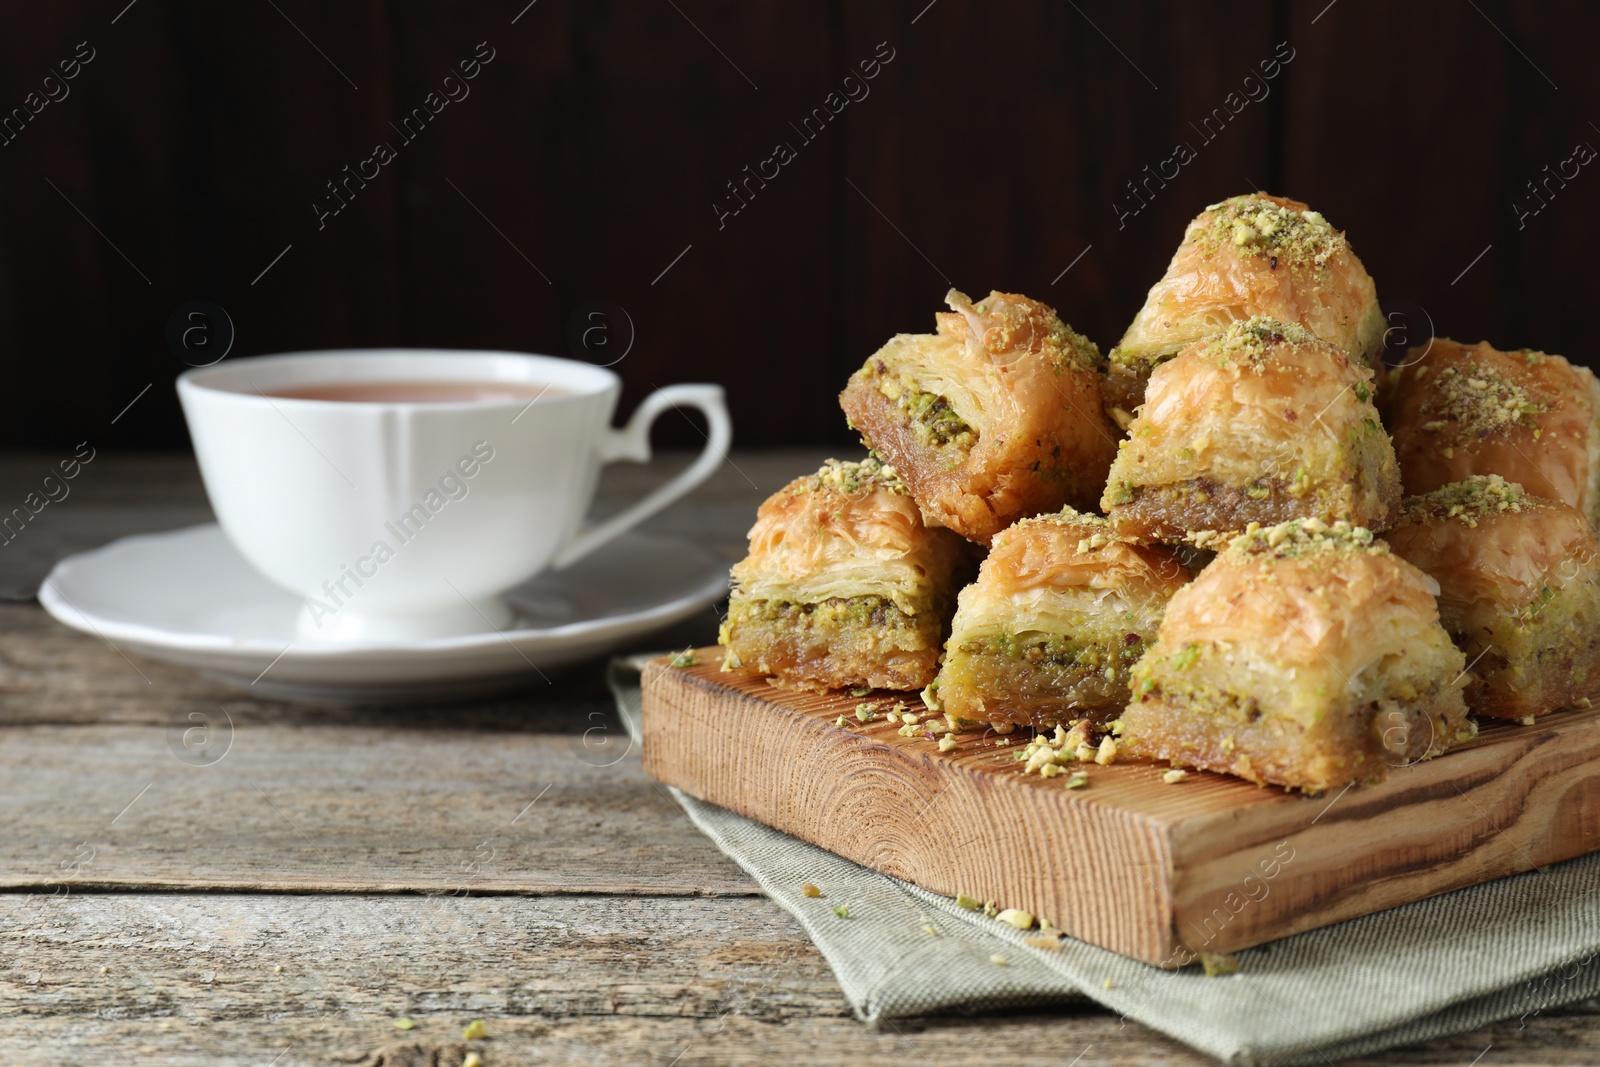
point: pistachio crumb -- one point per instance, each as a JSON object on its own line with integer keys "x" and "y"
{"x": 1108, "y": 751}
{"x": 1174, "y": 776}
{"x": 1044, "y": 941}
{"x": 1528, "y": 720}
{"x": 405, "y": 1022}
{"x": 472, "y": 1060}
{"x": 1022, "y": 920}
{"x": 1108, "y": 984}
{"x": 842, "y": 910}
{"x": 948, "y": 742}
{"x": 990, "y": 908}
{"x": 809, "y": 890}
{"x": 861, "y": 691}
{"x": 1078, "y": 780}
{"x": 928, "y": 929}
{"x": 970, "y": 903}
{"x": 474, "y": 1030}
{"x": 841, "y": 721}
{"x": 686, "y": 658}
{"x": 998, "y": 960}
{"x": 1218, "y": 964}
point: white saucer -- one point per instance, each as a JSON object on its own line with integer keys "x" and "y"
{"x": 187, "y": 597}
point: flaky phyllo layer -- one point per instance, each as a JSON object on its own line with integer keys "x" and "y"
{"x": 1457, "y": 410}
{"x": 993, "y": 417}
{"x": 1519, "y": 588}
{"x": 1060, "y": 612}
{"x": 1262, "y": 423}
{"x": 1254, "y": 255}
{"x": 1305, "y": 655}
{"x": 843, "y": 584}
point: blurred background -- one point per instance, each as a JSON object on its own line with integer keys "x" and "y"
{"x": 755, "y": 194}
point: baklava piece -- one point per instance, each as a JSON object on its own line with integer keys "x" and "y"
{"x": 1458, "y": 410}
{"x": 1264, "y": 423}
{"x": 844, "y": 585}
{"x": 1305, "y": 656}
{"x": 1247, "y": 256}
{"x": 1061, "y": 611}
{"x": 995, "y": 417}
{"x": 1519, "y": 587}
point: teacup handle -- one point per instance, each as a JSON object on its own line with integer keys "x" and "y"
{"x": 632, "y": 443}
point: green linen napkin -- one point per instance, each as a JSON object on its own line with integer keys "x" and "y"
{"x": 1513, "y": 947}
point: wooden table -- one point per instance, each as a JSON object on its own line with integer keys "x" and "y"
{"x": 342, "y": 867}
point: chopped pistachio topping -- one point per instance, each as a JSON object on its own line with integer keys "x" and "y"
{"x": 1108, "y": 751}
{"x": 854, "y": 477}
{"x": 928, "y": 929}
{"x": 1471, "y": 401}
{"x": 1108, "y": 984}
{"x": 474, "y": 1030}
{"x": 841, "y": 721}
{"x": 405, "y": 1022}
{"x": 686, "y": 658}
{"x": 1218, "y": 964}
{"x": 472, "y": 1060}
{"x": 1174, "y": 776}
{"x": 1078, "y": 780}
{"x": 970, "y": 903}
{"x": 1067, "y": 516}
{"x": 1253, "y": 223}
{"x": 1470, "y": 499}
{"x": 1303, "y": 538}
{"x": 998, "y": 960}
{"x": 842, "y": 910}
{"x": 809, "y": 890}
{"x": 1022, "y": 920}
{"x": 1252, "y": 341}
{"x": 948, "y": 742}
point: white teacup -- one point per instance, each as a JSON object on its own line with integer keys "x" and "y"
{"x": 400, "y": 520}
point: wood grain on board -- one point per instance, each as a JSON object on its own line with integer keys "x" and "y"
{"x": 1153, "y": 870}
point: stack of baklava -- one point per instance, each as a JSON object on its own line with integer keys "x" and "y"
{"x": 1255, "y": 594}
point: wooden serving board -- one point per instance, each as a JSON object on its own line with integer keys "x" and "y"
{"x": 1155, "y": 871}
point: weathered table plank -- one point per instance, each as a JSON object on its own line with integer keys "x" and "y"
{"x": 348, "y": 807}
{"x": 188, "y": 979}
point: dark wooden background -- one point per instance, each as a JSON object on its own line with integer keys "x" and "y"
{"x": 988, "y": 154}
